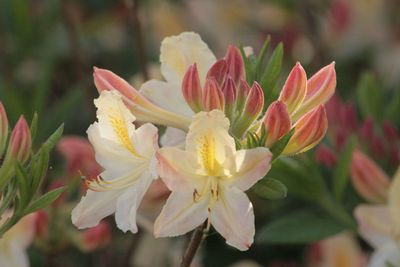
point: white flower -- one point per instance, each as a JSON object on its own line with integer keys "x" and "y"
{"x": 128, "y": 158}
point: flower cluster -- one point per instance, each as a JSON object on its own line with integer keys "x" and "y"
{"x": 210, "y": 110}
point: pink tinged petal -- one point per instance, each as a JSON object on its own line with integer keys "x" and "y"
{"x": 177, "y": 53}
{"x": 141, "y": 107}
{"x": 218, "y": 71}
{"x": 229, "y": 92}
{"x": 145, "y": 140}
{"x": 309, "y": 130}
{"x": 233, "y": 217}
{"x": 235, "y": 64}
{"x": 320, "y": 87}
{"x": 94, "y": 207}
{"x": 374, "y": 224}
{"x": 173, "y": 137}
{"x": 97, "y": 237}
{"x": 180, "y": 214}
{"x": 191, "y": 89}
{"x": 251, "y": 166}
{"x": 20, "y": 141}
{"x": 369, "y": 180}
{"x": 212, "y": 96}
{"x": 3, "y": 129}
{"x": 276, "y": 122}
{"x": 128, "y": 202}
{"x": 295, "y": 88}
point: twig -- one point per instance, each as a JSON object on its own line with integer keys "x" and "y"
{"x": 133, "y": 8}
{"x": 194, "y": 244}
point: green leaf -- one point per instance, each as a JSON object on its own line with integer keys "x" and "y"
{"x": 301, "y": 227}
{"x": 270, "y": 188}
{"x": 40, "y": 163}
{"x": 23, "y": 184}
{"x": 53, "y": 139}
{"x": 247, "y": 66}
{"x": 261, "y": 58}
{"x": 33, "y": 127}
{"x": 341, "y": 172}
{"x": 271, "y": 74}
{"x": 44, "y": 200}
{"x": 277, "y": 148}
{"x": 370, "y": 97}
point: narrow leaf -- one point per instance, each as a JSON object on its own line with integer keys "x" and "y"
{"x": 44, "y": 200}
{"x": 279, "y": 146}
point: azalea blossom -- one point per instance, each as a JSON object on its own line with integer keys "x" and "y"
{"x": 15, "y": 242}
{"x": 128, "y": 158}
{"x": 379, "y": 225}
{"x": 207, "y": 181}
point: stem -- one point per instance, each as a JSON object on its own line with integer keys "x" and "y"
{"x": 194, "y": 244}
{"x": 133, "y": 8}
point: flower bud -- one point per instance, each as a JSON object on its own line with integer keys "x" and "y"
{"x": 276, "y": 122}
{"x": 212, "y": 97}
{"x": 191, "y": 89}
{"x": 229, "y": 92}
{"x": 295, "y": 88}
{"x": 369, "y": 180}
{"x": 243, "y": 91}
{"x": 96, "y": 237}
{"x": 218, "y": 71}
{"x": 41, "y": 224}
{"x": 324, "y": 155}
{"x": 235, "y": 64}
{"x": 320, "y": 87}
{"x": 3, "y": 129}
{"x": 20, "y": 141}
{"x": 309, "y": 130}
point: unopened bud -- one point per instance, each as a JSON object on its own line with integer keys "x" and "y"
{"x": 243, "y": 91}
{"x": 309, "y": 130}
{"x": 218, "y": 71}
{"x": 3, "y": 129}
{"x": 320, "y": 87}
{"x": 295, "y": 88}
{"x": 229, "y": 92}
{"x": 276, "y": 122}
{"x": 191, "y": 89}
{"x": 324, "y": 155}
{"x": 369, "y": 180}
{"x": 212, "y": 96}
{"x": 20, "y": 141}
{"x": 96, "y": 237}
{"x": 235, "y": 64}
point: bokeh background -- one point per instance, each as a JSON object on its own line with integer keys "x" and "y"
{"x": 48, "y": 49}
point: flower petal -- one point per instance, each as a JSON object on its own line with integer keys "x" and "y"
{"x": 251, "y": 166}
{"x": 374, "y": 223}
{"x": 387, "y": 254}
{"x": 168, "y": 96}
{"x": 180, "y": 214}
{"x": 145, "y": 140}
{"x": 129, "y": 201}
{"x": 173, "y": 137}
{"x": 233, "y": 217}
{"x": 13, "y": 255}
{"x": 181, "y": 51}
{"x": 93, "y": 207}
{"x": 394, "y": 199}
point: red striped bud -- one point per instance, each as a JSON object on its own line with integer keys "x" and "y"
{"x": 243, "y": 91}
{"x": 20, "y": 141}
{"x": 218, "y": 71}
{"x": 212, "y": 96}
{"x": 276, "y": 122}
{"x": 235, "y": 64}
{"x": 229, "y": 92}
{"x": 3, "y": 129}
{"x": 191, "y": 89}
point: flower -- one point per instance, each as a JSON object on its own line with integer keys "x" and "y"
{"x": 207, "y": 181}
{"x": 128, "y": 158}
{"x": 379, "y": 225}
{"x": 20, "y": 141}
{"x": 14, "y": 243}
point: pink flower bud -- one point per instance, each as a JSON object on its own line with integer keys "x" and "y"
{"x": 324, "y": 155}
{"x": 191, "y": 89}
{"x": 369, "y": 180}
{"x": 41, "y": 224}
{"x": 295, "y": 88}
{"x": 277, "y": 122}
{"x": 212, "y": 97}
{"x": 20, "y": 141}
{"x": 367, "y": 130}
{"x": 320, "y": 87}
{"x": 229, "y": 92}
{"x": 243, "y": 91}
{"x": 309, "y": 130}
{"x": 255, "y": 101}
{"x": 390, "y": 131}
{"x": 218, "y": 71}
{"x": 96, "y": 237}
{"x": 235, "y": 64}
{"x": 3, "y": 129}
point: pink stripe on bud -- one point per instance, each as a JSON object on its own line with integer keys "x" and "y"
{"x": 3, "y": 129}
{"x": 212, "y": 97}
{"x": 20, "y": 141}
{"x": 229, "y": 92}
{"x": 295, "y": 88}
{"x": 235, "y": 64}
{"x": 218, "y": 71}
{"x": 369, "y": 180}
{"x": 243, "y": 91}
{"x": 191, "y": 89}
{"x": 276, "y": 122}
{"x": 255, "y": 101}
{"x": 309, "y": 130}
{"x": 320, "y": 87}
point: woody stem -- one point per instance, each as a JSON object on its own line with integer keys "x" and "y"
{"x": 194, "y": 244}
